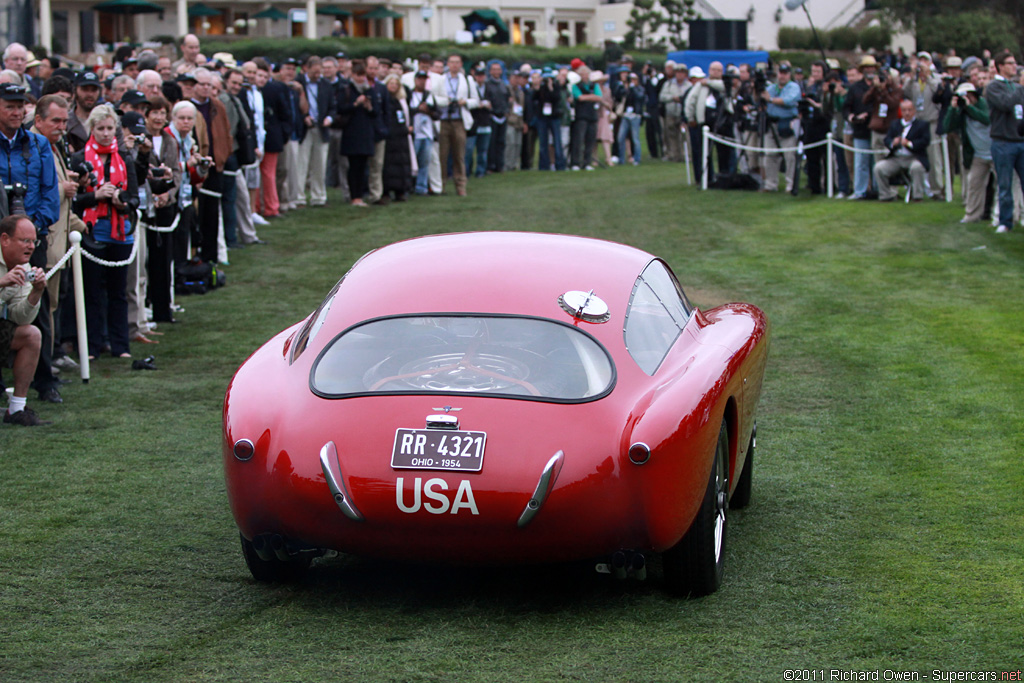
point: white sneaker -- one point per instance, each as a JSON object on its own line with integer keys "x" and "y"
{"x": 615, "y": 160}
{"x": 964, "y": 220}
{"x": 259, "y": 220}
{"x": 1002, "y": 228}
{"x": 575, "y": 168}
{"x": 839, "y": 195}
{"x": 64, "y": 363}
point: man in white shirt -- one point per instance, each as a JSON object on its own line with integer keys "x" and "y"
{"x": 454, "y": 100}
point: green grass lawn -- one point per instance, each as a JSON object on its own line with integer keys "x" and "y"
{"x": 885, "y": 530}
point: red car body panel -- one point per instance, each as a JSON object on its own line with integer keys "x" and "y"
{"x": 600, "y": 501}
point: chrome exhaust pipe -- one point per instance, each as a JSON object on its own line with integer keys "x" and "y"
{"x": 277, "y": 545}
{"x": 262, "y": 548}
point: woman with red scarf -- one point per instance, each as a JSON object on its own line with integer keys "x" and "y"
{"x": 107, "y": 203}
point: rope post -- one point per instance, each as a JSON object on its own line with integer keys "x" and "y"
{"x": 948, "y": 170}
{"x": 76, "y": 273}
{"x": 831, "y": 160}
{"x": 705, "y": 157}
{"x": 687, "y": 155}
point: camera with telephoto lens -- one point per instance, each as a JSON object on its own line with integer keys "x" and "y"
{"x": 16, "y": 198}
{"x": 760, "y": 81}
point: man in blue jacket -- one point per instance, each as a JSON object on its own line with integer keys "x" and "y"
{"x": 29, "y": 174}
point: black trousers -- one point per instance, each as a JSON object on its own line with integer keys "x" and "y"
{"x": 209, "y": 215}
{"x": 105, "y": 292}
{"x": 160, "y": 247}
{"x": 43, "y": 379}
{"x": 358, "y": 182}
{"x": 584, "y": 137}
{"x": 653, "y": 131}
{"x": 496, "y": 155}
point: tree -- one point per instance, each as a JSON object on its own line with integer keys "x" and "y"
{"x": 679, "y": 12}
{"x": 643, "y": 20}
{"x": 943, "y": 15}
{"x": 968, "y": 32}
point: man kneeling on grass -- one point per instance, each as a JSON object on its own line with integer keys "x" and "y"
{"x": 21, "y": 288}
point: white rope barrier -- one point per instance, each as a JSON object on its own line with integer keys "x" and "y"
{"x": 143, "y": 225}
{"x": 113, "y": 264}
{"x": 830, "y": 142}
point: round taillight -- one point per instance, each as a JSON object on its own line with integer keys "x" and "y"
{"x": 244, "y": 449}
{"x": 639, "y": 453}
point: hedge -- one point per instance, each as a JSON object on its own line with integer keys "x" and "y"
{"x": 396, "y": 50}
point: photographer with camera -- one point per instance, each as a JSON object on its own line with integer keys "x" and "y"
{"x": 920, "y": 90}
{"x": 1005, "y": 98}
{"x": 832, "y": 103}
{"x": 883, "y": 97}
{"x": 968, "y": 117}
{"x": 707, "y": 104}
{"x": 750, "y": 115}
{"x": 783, "y": 127}
{"x": 943, "y": 97}
{"x": 547, "y": 108}
{"x": 107, "y": 204}
{"x": 814, "y": 124}
{"x": 858, "y": 114}
{"x": 673, "y": 98}
{"x": 30, "y": 180}
{"x": 51, "y": 118}
{"x": 21, "y": 293}
{"x": 161, "y": 173}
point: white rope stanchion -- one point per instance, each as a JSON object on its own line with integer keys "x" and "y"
{"x": 79, "y": 289}
{"x": 705, "y": 154}
{"x": 945, "y": 165}
{"x": 831, "y": 161}
{"x": 687, "y": 155}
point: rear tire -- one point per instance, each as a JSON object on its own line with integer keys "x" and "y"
{"x": 273, "y": 570}
{"x": 695, "y": 565}
{"x": 741, "y": 496}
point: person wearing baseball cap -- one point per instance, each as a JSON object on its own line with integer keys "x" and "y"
{"x": 26, "y": 160}
{"x": 86, "y": 97}
{"x": 969, "y": 117}
{"x": 921, "y": 90}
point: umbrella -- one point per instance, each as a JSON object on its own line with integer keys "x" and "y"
{"x": 479, "y": 19}
{"x": 333, "y": 11}
{"x": 201, "y": 10}
{"x": 128, "y": 7}
{"x": 382, "y": 13}
{"x": 270, "y": 13}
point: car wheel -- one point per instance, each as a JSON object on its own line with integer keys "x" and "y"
{"x": 741, "y": 496}
{"x": 694, "y": 566}
{"x": 273, "y": 570}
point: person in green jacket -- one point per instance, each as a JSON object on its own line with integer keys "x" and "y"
{"x": 968, "y": 114}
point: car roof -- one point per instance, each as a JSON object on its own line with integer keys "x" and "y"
{"x": 488, "y": 272}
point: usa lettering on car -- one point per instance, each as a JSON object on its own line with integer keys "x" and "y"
{"x": 437, "y": 502}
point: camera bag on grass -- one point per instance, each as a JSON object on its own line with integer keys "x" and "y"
{"x": 198, "y": 277}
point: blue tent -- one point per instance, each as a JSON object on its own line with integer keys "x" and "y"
{"x": 703, "y": 58}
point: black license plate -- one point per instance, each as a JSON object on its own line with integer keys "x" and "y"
{"x": 438, "y": 449}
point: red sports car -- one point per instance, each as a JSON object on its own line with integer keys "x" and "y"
{"x": 499, "y": 398}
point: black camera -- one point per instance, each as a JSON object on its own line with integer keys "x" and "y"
{"x": 157, "y": 172}
{"x": 203, "y": 165}
{"x": 16, "y": 198}
{"x": 85, "y": 172}
{"x": 760, "y": 81}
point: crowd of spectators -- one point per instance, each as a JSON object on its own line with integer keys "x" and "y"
{"x": 167, "y": 166}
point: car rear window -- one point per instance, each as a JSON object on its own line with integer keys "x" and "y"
{"x": 510, "y": 356}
